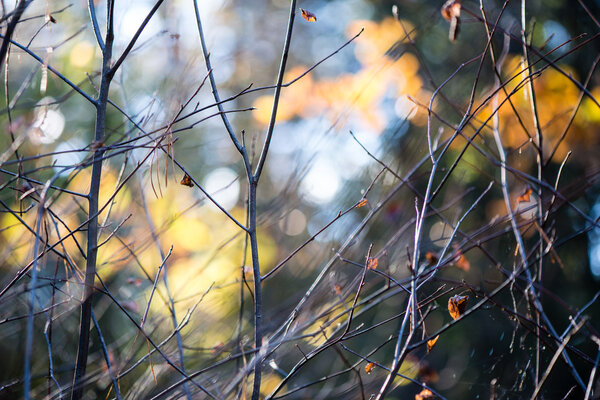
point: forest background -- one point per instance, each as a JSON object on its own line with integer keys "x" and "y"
{"x": 299, "y": 199}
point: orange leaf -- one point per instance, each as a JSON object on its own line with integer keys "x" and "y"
{"x": 369, "y": 367}
{"x": 457, "y": 305}
{"x": 307, "y": 15}
{"x": 462, "y": 262}
{"x": 431, "y": 343}
{"x": 431, "y": 257}
{"x": 361, "y": 203}
{"x": 525, "y": 197}
{"x": 424, "y": 394}
{"x": 372, "y": 263}
{"x": 187, "y": 181}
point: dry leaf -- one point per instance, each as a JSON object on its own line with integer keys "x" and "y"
{"x": 307, "y": 15}
{"x": 451, "y": 9}
{"x": 337, "y": 289}
{"x": 451, "y": 12}
{"x": 525, "y": 197}
{"x": 431, "y": 343}
{"x": 424, "y": 394}
{"x": 187, "y": 181}
{"x": 361, "y": 203}
{"x": 461, "y": 261}
{"x": 372, "y": 263}
{"x": 369, "y": 367}
{"x": 457, "y": 305}
{"x": 432, "y": 258}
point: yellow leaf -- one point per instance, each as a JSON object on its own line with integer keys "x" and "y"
{"x": 361, "y": 203}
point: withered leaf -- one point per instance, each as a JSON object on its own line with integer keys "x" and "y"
{"x": 361, "y": 203}
{"x": 451, "y": 12}
{"x": 451, "y": 9}
{"x": 372, "y": 263}
{"x": 457, "y": 305}
{"x": 525, "y": 197}
{"x": 187, "y": 181}
{"x": 307, "y": 15}
{"x": 424, "y": 394}
{"x": 431, "y": 343}
{"x": 431, "y": 257}
{"x": 337, "y": 289}
{"x": 462, "y": 262}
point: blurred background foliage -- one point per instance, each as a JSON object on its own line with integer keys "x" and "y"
{"x": 379, "y": 87}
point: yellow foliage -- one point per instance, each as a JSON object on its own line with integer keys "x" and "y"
{"x": 82, "y": 54}
{"x": 16, "y": 238}
{"x": 556, "y": 99}
{"x": 358, "y": 94}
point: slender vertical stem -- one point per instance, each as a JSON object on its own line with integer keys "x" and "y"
{"x": 540, "y": 162}
{"x": 92, "y": 233}
{"x": 32, "y": 297}
{"x": 106, "y": 358}
{"x": 258, "y": 317}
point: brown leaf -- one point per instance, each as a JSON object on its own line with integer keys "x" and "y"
{"x": 307, "y": 15}
{"x": 431, "y": 343}
{"x": 187, "y": 181}
{"x": 369, "y": 367}
{"x": 432, "y": 258}
{"x": 457, "y": 305}
{"x": 361, "y": 203}
{"x": 372, "y": 263}
{"x": 424, "y": 394}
